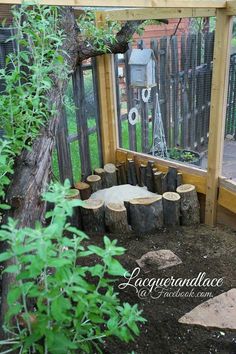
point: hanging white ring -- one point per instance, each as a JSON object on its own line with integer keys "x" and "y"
{"x": 146, "y": 94}
{"x": 133, "y": 116}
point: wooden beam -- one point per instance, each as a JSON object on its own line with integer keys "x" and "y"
{"x": 191, "y": 175}
{"x": 231, "y": 8}
{"x": 130, "y": 3}
{"x": 227, "y": 199}
{"x": 158, "y": 14}
{"x": 218, "y": 111}
{"x": 107, "y": 104}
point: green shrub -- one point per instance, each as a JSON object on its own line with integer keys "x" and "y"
{"x": 59, "y": 306}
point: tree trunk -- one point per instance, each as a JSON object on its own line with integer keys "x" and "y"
{"x": 116, "y": 218}
{"x": 171, "y": 208}
{"x": 189, "y": 205}
{"x": 93, "y": 216}
{"x": 110, "y": 175}
{"x": 145, "y": 214}
{"x": 33, "y": 167}
{"x": 95, "y": 183}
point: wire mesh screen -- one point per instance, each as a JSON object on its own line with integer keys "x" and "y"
{"x": 229, "y": 162}
{"x": 183, "y": 74}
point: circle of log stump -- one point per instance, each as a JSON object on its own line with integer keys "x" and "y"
{"x": 116, "y": 218}
{"x": 110, "y": 175}
{"x": 93, "y": 216}
{"x": 189, "y": 204}
{"x": 100, "y": 172}
{"x": 95, "y": 183}
{"x": 84, "y": 189}
{"x": 171, "y": 208}
{"x": 145, "y": 214}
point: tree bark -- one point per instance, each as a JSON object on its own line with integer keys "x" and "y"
{"x": 33, "y": 167}
{"x": 93, "y": 216}
{"x": 189, "y": 205}
{"x": 171, "y": 209}
{"x": 145, "y": 214}
{"x": 116, "y": 218}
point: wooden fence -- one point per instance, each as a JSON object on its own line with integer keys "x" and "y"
{"x": 83, "y": 131}
{"x": 183, "y": 77}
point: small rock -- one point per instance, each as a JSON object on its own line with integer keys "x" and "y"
{"x": 161, "y": 259}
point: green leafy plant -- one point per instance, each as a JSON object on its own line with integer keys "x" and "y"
{"x": 27, "y": 77}
{"x": 60, "y": 304}
{"x": 180, "y": 155}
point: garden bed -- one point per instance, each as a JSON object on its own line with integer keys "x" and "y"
{"x": 201, "y": 249}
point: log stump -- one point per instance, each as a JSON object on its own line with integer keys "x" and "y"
{"x": 189, "y": 204}
{"x": 84, "y": 189}
{"x": 110, "y": 175}
{"x": 171, "y": 208}
{"x": 95, "y": 183}
{"x": 158, "y": 182}
{"x": 93, "y": 216}
{"x": 116, "y": 218}
{"x": 143, "y": 175}
{"x": 145, "y": 214}
{"x": 75, "y": 219}
{"x": 131, "y": 172}
{"x": 100, "y": 172}
{"x": 121, "y": 173}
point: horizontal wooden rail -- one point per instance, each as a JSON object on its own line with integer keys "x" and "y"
{"x": 191, "y": 174}
{"x": 130, "y": 3}
{"x": 227, "y": 194}
{"x": 160, "y": 13}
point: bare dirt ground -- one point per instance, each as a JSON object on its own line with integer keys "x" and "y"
{"x": 202, "y": 249}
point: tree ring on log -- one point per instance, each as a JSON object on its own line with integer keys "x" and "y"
{"x": 185, "y": 188}
{"x": 171, "y": 196}
{"x": 93, "y": 204}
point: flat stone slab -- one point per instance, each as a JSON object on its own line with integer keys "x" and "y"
{"x": 161, "y": 259}
{"x": 217, "y": 312}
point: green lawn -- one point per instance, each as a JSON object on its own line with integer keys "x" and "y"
{"x": 93, "y": 144}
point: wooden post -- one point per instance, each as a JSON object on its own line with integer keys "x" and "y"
{"x": 107, "y": 101}
{"x": 218, "y": 111}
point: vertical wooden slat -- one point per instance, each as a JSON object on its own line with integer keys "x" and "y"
{"x": 63, "y": 150}
{"x": 198, "y": 92}
{"x": 175, "y": 89}
{"x": 118, "y": 103}
{"x": 130, "y": 103}
{"x": 164, "y": 83}
{"x": 192, "y": 89}
{"x": 218, "y": 109}
{"x": 107, "y": 101}
{"x": 184, "y": 97}
{"x": 81, "y": 120}
{"x": 97, "y": 113}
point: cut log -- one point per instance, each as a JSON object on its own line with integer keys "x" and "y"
{"x": 95, "y": 183}
{"x": 93, "y": 216}
{"x": 116, "y": 218}
{"x": 158, "y": 182}
{"x": 189, "y": 204}
{"x": 110, "y": 175}
{"x": 164, "y": 183}
{"x": 75, "y": 219}
{"x": 171, "y": 208}
{"x": 172, "y": 179}
{"x": 149, "y": 177}
{"x": 100, "y": 172}
{"x": 145, "y": 214}
{"x": 121, "y": 173}
{"x": 143, "y": 175}
{"x": 84, "y": 189}
{"x": 131, "y": 172}
{"x": 179, "y": 179}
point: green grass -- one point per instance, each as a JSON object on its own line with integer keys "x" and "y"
{"x": 93, "y": 142}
